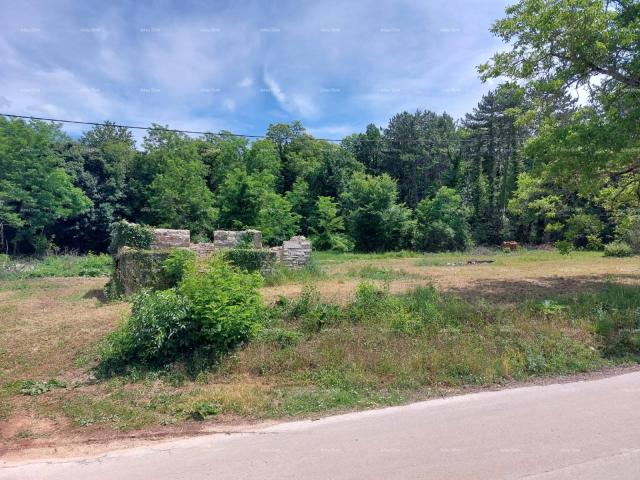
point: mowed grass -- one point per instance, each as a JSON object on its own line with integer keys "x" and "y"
{"x": 313, "y": 355}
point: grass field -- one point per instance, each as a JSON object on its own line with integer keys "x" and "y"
{"x": 337, "y": 346}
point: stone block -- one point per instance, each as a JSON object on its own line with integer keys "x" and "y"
{"x": 169, "y": 238}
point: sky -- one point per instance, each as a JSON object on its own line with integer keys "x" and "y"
{"x": 241, "y": 65}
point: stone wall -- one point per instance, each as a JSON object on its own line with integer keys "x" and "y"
{"x": 135, "y": 269}
{"x": 168, "y": 238}
{"x": 296, "y": 252}
{"x": 203, "y": 249}
{"x": 231, "y": 238}
{"x": 293, "y": 253}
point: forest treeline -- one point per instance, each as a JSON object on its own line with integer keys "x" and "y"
{"x": 530, "y": 163}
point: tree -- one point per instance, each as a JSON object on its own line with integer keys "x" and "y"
{"x": 493, "y": 142}
{"x": 222, "y": 153}
{"x": 327, "y": 227}
{"x": 283, "y": 135}
{"x": 592, "y": 44}
{"x": 35, "y": 189}
{"x": 419, "y": 153}
{"x": 241, "y": 196}
{"x": 276, "y": 220}
{"x": 373, "y": 217}
{"x": 100, "y": 164}
{"x": 367, "y": 148}
{"x": 558, "y": 43}
{"x": 302, "y": 202}
{"x": 441, "y": 223}
{"x": 178, "y": 195}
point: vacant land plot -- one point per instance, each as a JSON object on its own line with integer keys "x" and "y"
{"x": 507, "y": 278}
{"x": 529, "y": 313}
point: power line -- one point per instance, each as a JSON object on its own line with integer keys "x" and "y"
{"x": 135, "y": 127}
{"x": 424, "y": 141}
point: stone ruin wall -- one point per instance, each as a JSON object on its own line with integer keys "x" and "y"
{"x": 168, "y": 238}
{"x": 232, "y": 238}
{"x": 293, "y": 253}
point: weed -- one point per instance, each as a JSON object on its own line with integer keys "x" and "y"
{"x": 36, "y": 387}
{"x": 203, "y": 410}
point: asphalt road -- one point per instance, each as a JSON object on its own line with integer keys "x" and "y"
{"x": 583, "y": 430}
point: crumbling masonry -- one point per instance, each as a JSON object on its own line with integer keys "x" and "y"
{"x": 293, "y": 253}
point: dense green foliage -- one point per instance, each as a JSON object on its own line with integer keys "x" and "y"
{"x": 213, "y": 308}
{"x": 529, "y": 163}
{"x": 442, "y": 223}
{"x": 250, "y": 259}
{"x": 125, "y": 234}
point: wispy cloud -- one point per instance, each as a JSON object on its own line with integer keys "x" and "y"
{"x": 240, "y": 66}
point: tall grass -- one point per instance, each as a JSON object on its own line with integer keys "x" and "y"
{"x": 383, "y": 348}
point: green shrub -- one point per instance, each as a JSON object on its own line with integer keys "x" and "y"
{"x": 585, "y": 231}
{"x": 176, "y": 263}
{"x": 158, "y": 331}
{"x": 442, "y": 223}
{"x": 629, "y": 231}
{"x": 125, "y": 234}
{"x": 250, "y": 259}
{"x": 225, "y": 303}
{"x": 370, "y": 304}
{"x": 565, "y": 247}
{"x": 618, "y": 249}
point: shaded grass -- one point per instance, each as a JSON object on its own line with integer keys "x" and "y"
{"x": 56, "y": 266}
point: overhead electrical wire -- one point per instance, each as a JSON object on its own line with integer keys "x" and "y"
{"x": 221, "y": 133}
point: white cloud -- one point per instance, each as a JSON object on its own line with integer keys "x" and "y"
{"x": 295, "y": 103}
{"x": 328, "y": 63}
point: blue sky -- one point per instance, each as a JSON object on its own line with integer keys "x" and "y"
{"x": 240, "y": 65}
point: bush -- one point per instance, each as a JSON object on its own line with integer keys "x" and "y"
{"x": 225, "y": 303}
{"x": 159, "y": 331}
{"x": 214, "y": 308}
{"x": 585, "y": 231}
{"x": 629, "y": 232}
{"x": 125, "y": 234}
{"x": 250, "y": 259}
{"x": 176, "y": 263}
{"x": 618, "y": 249}
{"x": 565, "y": 247}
